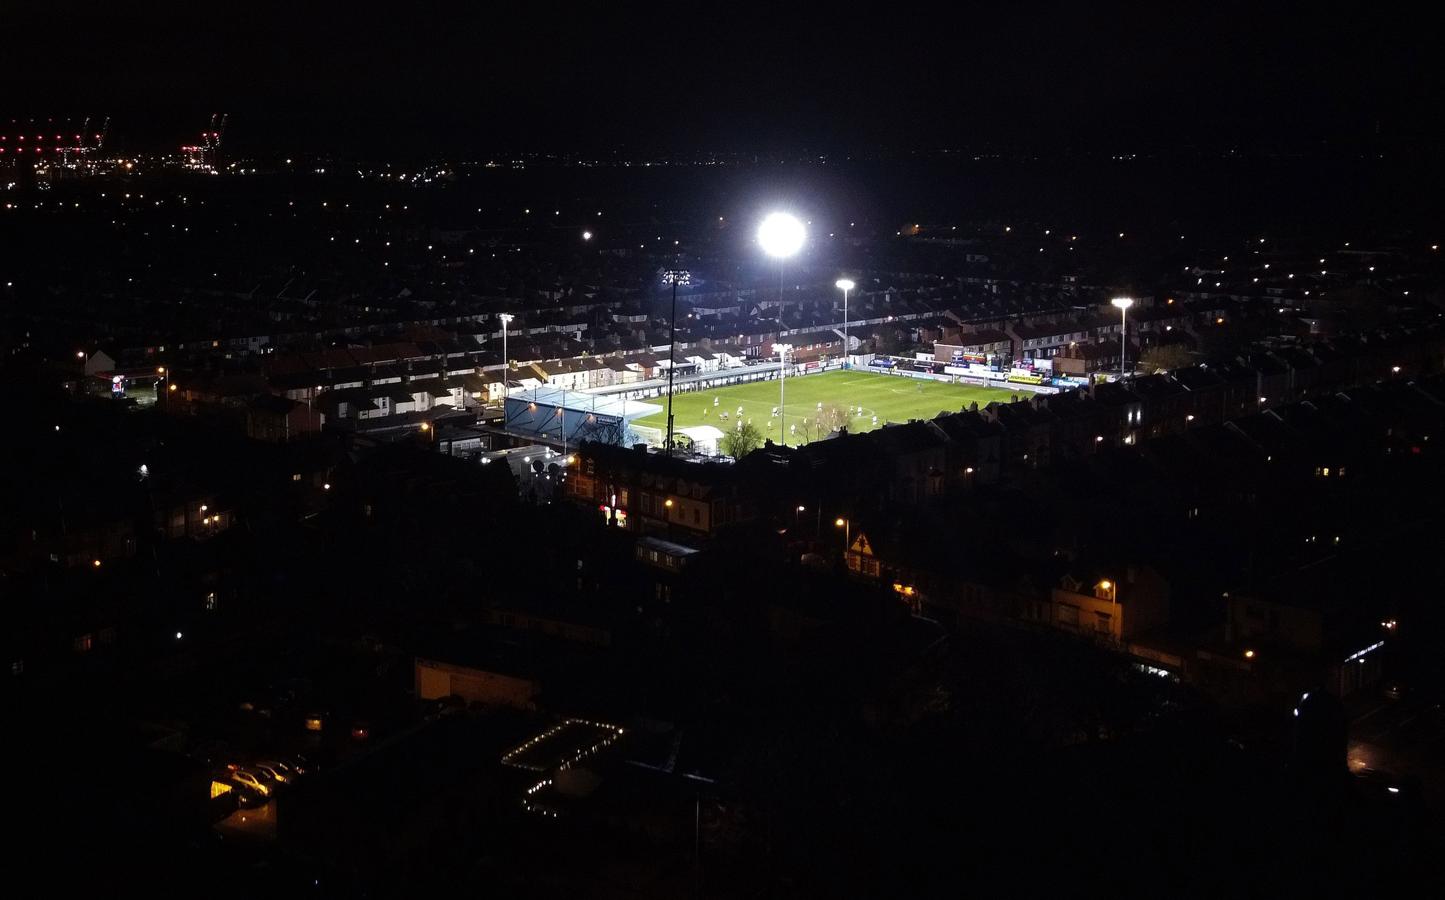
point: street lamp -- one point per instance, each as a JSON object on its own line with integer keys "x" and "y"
{"x": 1123, "y": 304}
{"x": 847, "y": 527}
{"x": 845, "y": 285}
{"x": 506, "y": 320}
{"x": 782, "y": 351}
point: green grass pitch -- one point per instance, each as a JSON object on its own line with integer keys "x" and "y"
{"x": 883, "y": 399}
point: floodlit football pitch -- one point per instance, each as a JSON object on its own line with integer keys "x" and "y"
{"x": 867, "y": 400}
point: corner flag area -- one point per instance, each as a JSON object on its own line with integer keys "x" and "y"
{"x": 864, "y": 399}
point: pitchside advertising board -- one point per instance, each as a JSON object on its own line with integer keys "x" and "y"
{"x": 959, "y": 358}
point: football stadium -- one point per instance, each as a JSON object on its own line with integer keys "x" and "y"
{"x": 818, "y": 404}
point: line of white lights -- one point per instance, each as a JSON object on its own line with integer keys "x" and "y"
{"x": 614, "y": 732}
{"x": 1359, "y": 653}
{"x": 509, "y": 758}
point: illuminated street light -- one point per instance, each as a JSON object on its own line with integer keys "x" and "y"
{"x": 847, "y": 527}
{"x": 506, "y": 320}
{"x": 586, "y": 235}
{"x": 845, "y": 285}
{"x": 782, "y": 351}
{"x": 1123, "y": 304}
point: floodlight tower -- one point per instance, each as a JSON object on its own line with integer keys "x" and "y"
{"x": 845, "y": 285}
{"x": 782, "y": 350}
{"x": 672, "y": 276}
{"x": 781, "y": 236}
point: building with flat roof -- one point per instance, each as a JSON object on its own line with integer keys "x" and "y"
{"x": 557, "y": 416}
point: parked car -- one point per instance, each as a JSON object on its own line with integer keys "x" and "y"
{"x": 278, "y": 771}
{"x": 302, "y": 765}
{"x": 252, "y": 780}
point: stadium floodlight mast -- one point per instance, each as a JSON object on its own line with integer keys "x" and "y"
{"x": 782, "y": 350}
{"x": 845, "y": 285}
{"x": 1123, "y": 304}
{"x": 672, "y": 276}
{"x": 781, "y": 236}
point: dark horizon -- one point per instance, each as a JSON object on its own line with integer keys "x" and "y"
{"x": 457, "y": 80}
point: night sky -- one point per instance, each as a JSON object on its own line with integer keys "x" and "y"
{"x": 427, "y": 78}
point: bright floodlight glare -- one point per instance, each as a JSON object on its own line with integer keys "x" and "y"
{"x": 844, "y": 284}
{"x": 781, "y": 235}
{"x": 1123, "y": 302}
